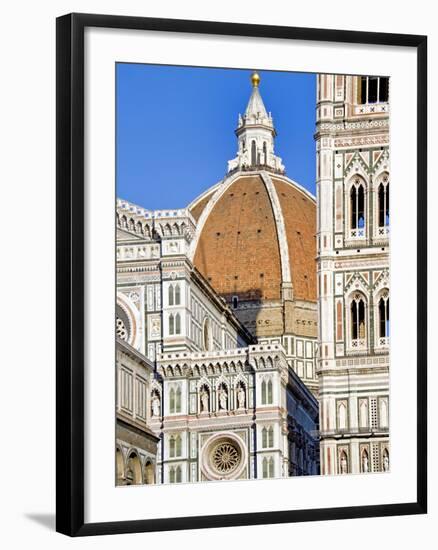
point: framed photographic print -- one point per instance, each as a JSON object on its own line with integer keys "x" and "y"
{"x": 241, "y": 308}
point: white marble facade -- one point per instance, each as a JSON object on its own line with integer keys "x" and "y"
{"x": 220, "y": 404}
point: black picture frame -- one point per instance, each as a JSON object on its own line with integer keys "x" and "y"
{"x": 70, "y": 273}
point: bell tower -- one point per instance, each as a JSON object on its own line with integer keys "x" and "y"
{"x": 352, "y": 148}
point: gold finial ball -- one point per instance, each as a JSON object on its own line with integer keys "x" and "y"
{"x": 255, "y": 79}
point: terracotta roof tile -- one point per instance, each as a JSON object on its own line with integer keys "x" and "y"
{"x": 299, "y": 214}
{"x": 238, "y": 249}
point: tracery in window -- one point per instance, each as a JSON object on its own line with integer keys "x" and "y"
{"x": 383, "y": 205}
{"x": 225, "y": 457}
{"x": 384, "y": 316}
{"x": 122, "y": 324}
{"x": 121, "y": 330}
{"x": 357, "y": 209}
{"x": 175, "y": 446}
{"x": 267, "y": 437}
{"x": 175, "y": 400}
{"x": 268, "y": 467}
{"x": 175, "y": 474}
{"x": 177, "y": 294}
{"x": 266, "y": 391}
{"x": 358, "y": 322}
{"x": 177, "y": 323}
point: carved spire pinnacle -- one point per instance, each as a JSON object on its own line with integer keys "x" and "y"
{"x": 255, "y": 132}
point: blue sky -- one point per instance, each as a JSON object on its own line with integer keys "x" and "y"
{"x": 175, "y": 128}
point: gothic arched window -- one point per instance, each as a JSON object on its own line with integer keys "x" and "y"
{"x": 358, "y": 328}
{"x": 177, "y": 323}
{"x": 178, "y": 445}
{"x": 170, "y": 295}
{"x": 172, "y": 400}
{"x": 178, "y": 400}
{"x": 177, "y": 295}
{"x": 172, "y": 475}
{"x": 384, "y": 316}
{"x": 266, "y": 392}
{"x": 270, "y": 436}
{"x": 175, "y": 446}
{"x": 269, "y": 392}
{"x": 171, "y": 324}
{"x": 383, "y": 204}
{"x": 171, "y": 446}
{"x": 253, "y": 153}
{"x": 264, "y": 438}
{"x": 268, "y": 470}
{"x": 178, "y": 476}
{"x": 357, "y": 209}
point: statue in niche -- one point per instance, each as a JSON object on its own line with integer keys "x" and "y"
{"x": 344, "y": 464}
{"x": 365, "y": 465}
{"x": 204, "y": 400}
{"x": 223, "y": 399}
{"x": 240, "y": 397}
{"x": 156, "y": 405}
{"x": 385, "y": 462}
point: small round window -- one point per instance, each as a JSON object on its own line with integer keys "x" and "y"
{"x": 122, "y": 324}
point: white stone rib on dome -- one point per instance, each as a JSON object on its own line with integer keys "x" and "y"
{"x": 280, "y": 226}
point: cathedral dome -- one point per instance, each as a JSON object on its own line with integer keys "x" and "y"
{"x": 256, "y": 238}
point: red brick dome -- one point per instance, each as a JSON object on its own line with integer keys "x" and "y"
{"x": 256, "y": 233}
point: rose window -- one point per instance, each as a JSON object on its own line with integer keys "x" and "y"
{"x": 225, "y": 457}
{"x": 121, "y": 330}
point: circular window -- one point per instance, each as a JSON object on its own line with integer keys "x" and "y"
{"x": 123, "y": 326}
{"x": 121, "y": 330}
{"x": 224, "y": 456}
